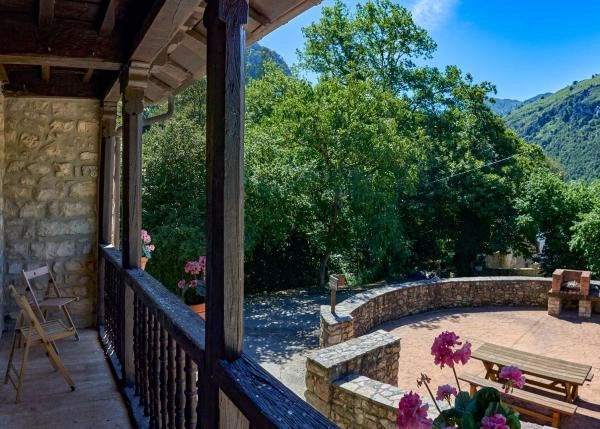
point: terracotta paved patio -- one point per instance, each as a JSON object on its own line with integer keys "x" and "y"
{"x": 532, "y": 330}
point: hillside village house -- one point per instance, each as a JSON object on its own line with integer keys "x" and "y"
{"x": 64, "y": 65}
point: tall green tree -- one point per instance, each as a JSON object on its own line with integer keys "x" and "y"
{"x": 379, "y": 42}
{"x": 326, "y": 162}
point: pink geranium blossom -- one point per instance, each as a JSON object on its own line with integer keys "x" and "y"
{"x": 512, "y": 377}
{"x": 444, "y": 392}
{"x": 497, "y": 421}
{"x": 412, "y": 413}
{"x": 444, "y": 353}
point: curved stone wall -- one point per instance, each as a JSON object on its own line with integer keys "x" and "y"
{"x": 359, "y": 314}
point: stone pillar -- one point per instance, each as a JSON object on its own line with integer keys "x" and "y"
{"x": 585, "y": 308}
{"x": 554, "y": 305}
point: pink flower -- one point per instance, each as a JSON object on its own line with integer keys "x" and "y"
{"x": 463, "y": 354}
{"x": 423, "y": 380}
{"x": 194, "y": 283}
{"x": 181, "y": 284}
{"x": 442, "y": 350}
{"x": 444, "y": 392}
{"x": 412, "y": 413}
{"x": 497, "y": 421}
{"x": 513, "y": 377}
{"x": 145, "y": 236}
{"x": 150, "y": 247}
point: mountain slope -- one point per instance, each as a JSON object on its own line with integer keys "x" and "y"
{"x": 503, "y": 106}
{"x": 256, "y": 57}
{"x": 566, "y": 125}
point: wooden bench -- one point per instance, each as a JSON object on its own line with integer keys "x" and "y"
{"x": 556, "y": 407}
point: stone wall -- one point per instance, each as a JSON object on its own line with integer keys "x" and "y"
{"x": 366, "y": 310}
{"x": 1, "y": 210}
{"x": 374, "y": 356}
{"x": 50, "y": 194}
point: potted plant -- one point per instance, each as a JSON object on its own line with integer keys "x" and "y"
{"x": 192, "y": 285}
{"x": 485, "y": 410}
{"x": 147, "y": 249}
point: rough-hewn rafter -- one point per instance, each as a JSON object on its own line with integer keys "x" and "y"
{"x": 52, "y": 60}
{"x": 61, "y": 39}
{"x": 3, "y": 74}
{"x": 88, "y": 75}
{"x": 46, "y": 73}
{"x": 259, "y": 17}
{"x": 45, "y": 12}
{"x": 107, "y": 24}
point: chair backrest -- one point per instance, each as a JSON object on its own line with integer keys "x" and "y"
{"x": 27, "y": 312}
{"x": 39, "y": 272}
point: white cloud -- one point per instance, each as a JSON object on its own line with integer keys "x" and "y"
{"x": 432, "y": 13}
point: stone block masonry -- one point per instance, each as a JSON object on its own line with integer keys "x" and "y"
{"x": 374, "y": 355}
{"x": 50, "y": 191}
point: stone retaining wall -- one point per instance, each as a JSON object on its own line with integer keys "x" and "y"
{"x": 50, "y": 193}
{"x": 364, "y": 311}
{"x": 374, "y": 355}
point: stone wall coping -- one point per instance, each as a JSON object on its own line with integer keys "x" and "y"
{"x": 341, "y": 353}
{"x": 384, "y": 395}
{"x": 346, "y": 307}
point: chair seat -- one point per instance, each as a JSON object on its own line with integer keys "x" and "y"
{"x": 54, "y": 329}
{"x": 57, "y": 301}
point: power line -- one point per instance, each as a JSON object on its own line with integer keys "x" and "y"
{"x": 477, "y": 168}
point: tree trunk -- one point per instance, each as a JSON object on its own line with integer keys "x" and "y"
{"x": 323, "y": 270}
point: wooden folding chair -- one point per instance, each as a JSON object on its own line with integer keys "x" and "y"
{"x": 53, "y": 299}
{"x": 35, "y": 333}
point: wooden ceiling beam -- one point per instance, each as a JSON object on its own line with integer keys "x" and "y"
{"x": 45, "y": 12}
{"x": 55, "y": 61}
{"x": 107, "y": 24}
{"x": 259, "y": 17}
{"x": 88, "y": 75}
{"x": 46, "y": 73}
{"x": 3, "y": 74}
{"x": 61, "y": 39}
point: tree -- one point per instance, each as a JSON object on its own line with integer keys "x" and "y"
{"x": 379, "y": 42}
{"x": 173, "y": 197}
{"x": 586, "y": 233}
{"x": 325, "y": 163}
{"x": 550, "y": 207}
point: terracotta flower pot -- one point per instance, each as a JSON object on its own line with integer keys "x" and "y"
{"x": 143, "y": 262}
{"x": 199, "y": 309}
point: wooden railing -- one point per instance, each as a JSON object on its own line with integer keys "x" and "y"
{"x": 155, "y": 346}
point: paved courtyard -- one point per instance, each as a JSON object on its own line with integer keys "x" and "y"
{"x": 281, "y": 329}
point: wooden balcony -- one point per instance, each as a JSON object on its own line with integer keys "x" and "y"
{"x": 49, "y": 403}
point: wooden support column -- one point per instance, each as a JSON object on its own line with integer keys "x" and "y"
{"x": 223, "y": 20}
{"x": 107, "y": 171}
{"x": 133, "y": 84}
{"x": 109, "y": 121}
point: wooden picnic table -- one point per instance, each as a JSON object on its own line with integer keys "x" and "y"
{"x": 554, "y": 374}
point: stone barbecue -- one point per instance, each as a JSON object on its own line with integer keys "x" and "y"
{"x": 570, "y": 285}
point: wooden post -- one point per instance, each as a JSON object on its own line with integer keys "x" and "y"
{"x": 116, "y": 203}
{"x": 223, "y": 20}
{"x": 133, "y": 84}
{"x": 105, "y": 220}
{"x": 107, "y": 167}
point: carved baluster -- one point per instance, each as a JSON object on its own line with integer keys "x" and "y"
{"x": 150, "y": 366}
{"x": 171, "y": 382}
{"x": 163, "y": 378}
{"x": 145, "y": 398}
{"x": 191, "y": 394}
{"x": 179, "y": 387}
{"x": 156, "y": 373}
{"x": 136, "y": 343}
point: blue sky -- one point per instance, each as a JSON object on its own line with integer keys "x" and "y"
{"x": 524, "y": 47}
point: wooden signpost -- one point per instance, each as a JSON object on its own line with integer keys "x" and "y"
{"x": 336, "y": 281}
